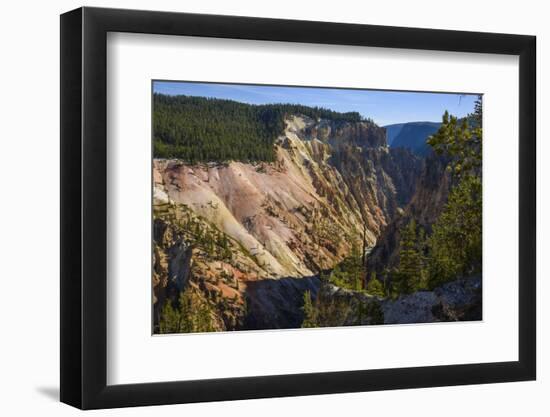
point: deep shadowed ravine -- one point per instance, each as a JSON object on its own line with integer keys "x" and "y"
{"x": 277, "y": 303}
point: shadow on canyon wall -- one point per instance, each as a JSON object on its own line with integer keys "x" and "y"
{"x": 277, "y": 303}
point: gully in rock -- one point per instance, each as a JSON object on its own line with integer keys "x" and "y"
{"x": 287, "y": 207}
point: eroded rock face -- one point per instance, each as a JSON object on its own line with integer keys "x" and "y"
{"x": 171, "y": 264}
{"x": 412, "y": 308}
{"x": 426, "y": 203}
{"x": 455, "y": 301}
{"x": 303, "y": 212}
{"x": 460, "y": 300}
{"x": 179, "y": 265}
{"x": 284, "y": 221}
{"x": 362, "y": 134}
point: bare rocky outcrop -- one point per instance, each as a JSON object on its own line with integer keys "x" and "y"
{"x": 331, "y": 183}
{"x": 363, "y": 134}
{"x": 455, "y": 301}
{"x": 277, "y": 303}
{"x": 459, "y": 300}
{"x": 179, "y": 265}
{"x": 172, "y": 257}
{"x": 303, "y": 212}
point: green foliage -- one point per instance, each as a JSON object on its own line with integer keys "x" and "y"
{"x": 191, "y": 314}
{"x": 454, "y": 248}
{"x": 328, "y": 312}
{"x": 455, "y": 244}
{"x": 325, "y": 311}
{"x": 199, "y": 129}
{"x": 371, "y": 310}
{"x": 410, "y": 274}
{"x": 310, "y": 313}
{"x": 375, "y": 287}
{"x": 170, "y": 319}
{"x": 199, "y": 233}
{"x": 349, "y": 273}
{"x": 462, "y": 141}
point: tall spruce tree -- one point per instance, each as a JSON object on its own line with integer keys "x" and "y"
{"x": 375, "y": 287}
{"x": 310, "y": 314}
{"x": 409, "y": 274}
{"x": 455, "y": 246}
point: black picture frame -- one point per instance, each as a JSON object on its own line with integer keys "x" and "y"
{"x": 84, "y": 207}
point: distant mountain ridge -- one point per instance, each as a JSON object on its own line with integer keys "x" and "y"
{"x": 411, "y": 135}
{"x": 392, "y": 131}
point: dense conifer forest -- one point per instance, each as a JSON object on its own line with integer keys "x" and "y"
{"x": 341, "y": 235}
{"x": 199, "y": 129}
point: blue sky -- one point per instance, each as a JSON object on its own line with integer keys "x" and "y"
{"x": 384, "y": 107}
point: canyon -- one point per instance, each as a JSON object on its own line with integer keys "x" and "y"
{"x": 251, "y": 238}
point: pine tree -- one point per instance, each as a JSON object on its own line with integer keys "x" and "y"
{"x": 202, "y": 318}
{"x": 350, "y": 272}
{"x": 461, "y": 140}
{"x": 455, "y": 247}
{"x": 455, "y": 244}
{"x": 186, "y": 309}
{"x": 192, "y": 314}
{"x": 375, "y": 287}
{"x": 310, "y": 314}
{"x": 410, "y": 262}
{"x": 169, "y": 319}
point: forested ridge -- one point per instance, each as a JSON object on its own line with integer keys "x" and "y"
{"x": 340, "y": 233}
{"x": 199, "y": 129}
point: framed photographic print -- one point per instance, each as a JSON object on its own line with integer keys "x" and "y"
{"x": 257, "y": 208}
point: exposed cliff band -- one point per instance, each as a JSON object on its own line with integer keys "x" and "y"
{"x": 332, "y": 188}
